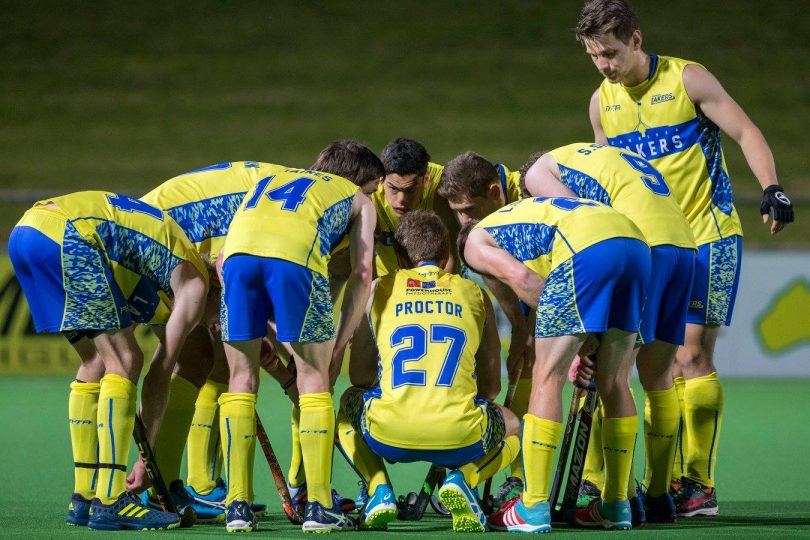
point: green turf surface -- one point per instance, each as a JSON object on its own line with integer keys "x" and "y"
{"x": 121, "y": 96}
{"x": 762, "y": 467}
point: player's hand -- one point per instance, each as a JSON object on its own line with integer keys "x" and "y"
{"x": 776, "y": 205}
{"x": 581, "y": 371}
{"x": 138, "y": 480}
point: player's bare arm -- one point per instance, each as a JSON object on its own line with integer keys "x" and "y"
{"x": 543, "y": 179}
{"x": 709, "y": 95}
{"x": 521, "y": 339}
{"x": 488, "y": 356}
{"x": 442, "y": 209}
{"x": 596, "y": 120}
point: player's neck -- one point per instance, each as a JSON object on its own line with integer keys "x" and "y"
{"x": 640, "y": 71}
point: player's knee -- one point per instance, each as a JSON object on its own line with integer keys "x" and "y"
{"x": 691, "y": 357}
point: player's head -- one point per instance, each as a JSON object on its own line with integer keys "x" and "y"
{"x": 421, "y": 237}
{"x": 353, "y": 161}
{"x": 406, "y": 164}
{"x": 472, "y": 187}
{"x": 610, "y": 32}
{"x": 524, "y": 192}
{"x": 461, "y": 239}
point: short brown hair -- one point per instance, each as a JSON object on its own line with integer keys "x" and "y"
{"x": 467, "y": 175}
{"x": 421, "y": 236}
{"x": 604, "y": 17}
{"x": 525, "y": 168}
{"x": 351, "y": 160}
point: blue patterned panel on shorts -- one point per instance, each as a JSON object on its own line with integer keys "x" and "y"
{"x": 209, "y": 218}
{"x": 524, "y": 241}
{"x": 710, "y": 143}
{"x": 139, "y": 253}
{"x": 725, "y": 258}
{"x": 585, "y": 186}
{"x": 223, "y": 315}
{"x": 333, "y": 223}
{"x": 557, "y": 313}
{"x": 89, "y": 302}
{"x": 319, "y": 325}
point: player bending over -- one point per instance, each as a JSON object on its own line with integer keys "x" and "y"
{"x": 439, "y": 373}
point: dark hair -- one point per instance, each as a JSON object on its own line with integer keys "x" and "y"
{"x": 461, "y": 239}
{"x": 468, "y": 174}
{"x": 525, "y": 168}
{"x": 603, "y": 17}
{"x": 405, "y": 156}
{"x": 421, "y": 236}
{"x": 351, "y": 160}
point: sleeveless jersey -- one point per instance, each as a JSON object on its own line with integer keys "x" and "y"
{"x": 385, "y": 258}
{"x": 138, "y": 239}
{"x": 427, "y": 325}
{"x": 295, "y": 215}
{"x": 544, "y": 232}
{"x": 510, "y": 183}
{"x": 628, "y": 183}
{"x": 658, "y": 121}
{"x": 204, "y": 201}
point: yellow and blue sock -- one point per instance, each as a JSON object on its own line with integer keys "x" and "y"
{"x": 661, "y": 419}
{"x": 116, "y": 419}
{"x": 539, "y": 442}
{"x": 295, "y": 475}
{"x": 317, "y": 432}
{"x": 618, "y": 440}
{"x": 703, "y": 419}
{"x": 204, "y": 456}
{"x": 520, "y": 406}
{"x": 681, "y": 445}
{"x": 82, "y": 413}
{"x": 367, "y": 463}
{"x": 237, "y": 424}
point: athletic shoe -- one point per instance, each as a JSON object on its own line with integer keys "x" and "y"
{"x": 182, "y": 500}
{"x": 344, "y": 503}
{"x": 362, "y": 495}
{"x": 380, "y": 509}
{"x": 588, "y": 491}
{"x": 215, "y": 501}
{"x": 676, "y": 489}
{"x": 320, "y": 519}
{"x": 78, "y": 511}
{"x": 517, "y": 517}
{"x": 509, "y": 490}
{"x": 659, "y": 509}
{"x": 240, "y": 518}
{"x": 463, "y": 504}
{"x": 637, "y": 507}
{"x": 299, "y": 498}
{"x": 697, "y": 500}
{"x": 128, "y": 513}
{"x": 614, "y": 515}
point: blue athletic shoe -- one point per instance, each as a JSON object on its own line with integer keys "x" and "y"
{"x": 463, "y": 504}
{"x": 380, "y": 509}
{"x": 128, "y": 513}
{"x": 215, "y": 501}
{"x": 362, "y": 495}
{"x": 319, "y": 519}
{"x": 660, "y": 509}
{"x": 299, "y": 498}
{"x": 78, "y": 511}
{"x": 614, "y": 515}
{"x": 204, "y": 512}
{"x": 240, "y": 518}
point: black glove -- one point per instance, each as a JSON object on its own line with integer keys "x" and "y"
{"x": 776, "y": 203}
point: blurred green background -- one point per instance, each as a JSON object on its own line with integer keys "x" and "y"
{"x": 123, "y": 95}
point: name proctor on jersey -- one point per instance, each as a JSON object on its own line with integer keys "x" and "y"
{"x": 439, "y": 307}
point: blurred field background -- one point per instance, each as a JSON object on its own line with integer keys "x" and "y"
{"x": 123, "y": 95}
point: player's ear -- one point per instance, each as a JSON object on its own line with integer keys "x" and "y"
{"x": 635, "y": 40}
{"x": 494, "y": 192}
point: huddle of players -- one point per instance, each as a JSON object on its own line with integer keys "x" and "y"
{"x": 621, "y": 258}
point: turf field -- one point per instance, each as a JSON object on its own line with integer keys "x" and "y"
{"x": 762, "y": 467}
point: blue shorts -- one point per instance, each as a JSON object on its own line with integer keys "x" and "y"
{"x": 717, "y": 276}
{"x": 601, "y": 287}
{"x": 256, "y": 289}
{"x": 68, "y": 287}
{"x": 664, "y": 315}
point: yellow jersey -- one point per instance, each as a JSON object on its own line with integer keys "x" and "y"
{"x": 296, "y": 215}
{"x": 510, "y": 183}
{"x": 427, "y": 325}
{"x": 385, "y": 260}
{"x": 658, "y": 121}
{"x": 544, "y": 232}
{"x": 628, "y": 183}
{"x": 141, "y": 243}
{"x": 204, "y": 201}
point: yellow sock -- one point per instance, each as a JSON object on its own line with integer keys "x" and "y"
{"x": 594, "y": 469}
{"x": 520, "y": 406}
{"x": 618, "y": 439}
{"x": 703, "y": 419}
{"x": 679, "y": 463}
{"x": 237, "y": 424}
{"x": 317, "y": 432}
{"x": 204, "y": 460}
{"x": 116, "y": 419}
{"x": 539, "y": 441}
{"x": 493, "y": 461}
{"x": 295, "y": 476}
{"x": 661, "y": 419}
{"x": 82, "y": 409}
{"x": 174, "y": 429}
{"x": 367, "y": 463}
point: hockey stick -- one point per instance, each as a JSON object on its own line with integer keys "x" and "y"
{"x": 412, "y": 507}
{"x": 278, "y": 475}
{"x": 188, "y": 517}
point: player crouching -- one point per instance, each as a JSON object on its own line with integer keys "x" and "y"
{"x": 439, "y": 372}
